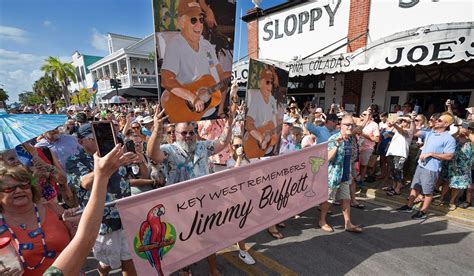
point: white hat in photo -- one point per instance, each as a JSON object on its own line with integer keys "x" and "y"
{"x": 147, "y": 120}
{"x": 288, "y": 119}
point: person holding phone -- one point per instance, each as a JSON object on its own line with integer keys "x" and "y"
{"x": 111, "y": 248}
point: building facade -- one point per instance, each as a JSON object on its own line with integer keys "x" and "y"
{"x": 363, "y": 52}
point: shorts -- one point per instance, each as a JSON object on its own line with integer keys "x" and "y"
{"x": 111, "y": 249}
{"x": 340, "y": 193}
{"x": 396, "y": 165}
{"x": 424, "y": 180}
{"x": 364, "y": 157}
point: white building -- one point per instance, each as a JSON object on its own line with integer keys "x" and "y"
{"x": 84, "y": 78}
{"x": 130, "y": 62}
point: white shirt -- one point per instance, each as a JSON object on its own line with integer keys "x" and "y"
{"x": 187, "y": 64}
{"x": 399, "y": 145}
{"x": 260, "y": 111}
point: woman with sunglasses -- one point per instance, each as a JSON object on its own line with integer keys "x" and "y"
{"x": 386, "y": 134}
{"x": 37, "y": 233}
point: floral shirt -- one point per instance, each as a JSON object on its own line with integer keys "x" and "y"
{"x": 335, "y": 168}
{"x": 179, "y": 166}
{"x": 459, "y": 168}
{"x": 81, "y": 164}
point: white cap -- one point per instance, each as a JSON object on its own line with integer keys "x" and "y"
{"x": 288, "y": 119}
{"x": 147, "y": 120}
{"x": 139, "y": 119}
{"x": 319, "y": 110}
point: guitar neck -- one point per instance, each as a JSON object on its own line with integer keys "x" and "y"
{"x": 219, "y": 85}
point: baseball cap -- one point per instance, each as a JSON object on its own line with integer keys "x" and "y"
{"x": 81, "y": 117}
{"x": 319, "y": 110}
{"x": 332, "y": 117}
{"x": 188, "y": 7}
{"x": 84, "y": 130}
{"x": 288, "y": 119}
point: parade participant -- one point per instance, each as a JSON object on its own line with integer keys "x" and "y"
{"x": 111, "y": 248}
{"x": 325, "y": 131}
{"x": 62, "y": 145}
{"x": 237, "y": 159}
{"x": 459, "y": 169}
{"x": 72, "y": 258}
{"x": 341, "y": 148}
{"x": 187, "y": 158}
{"x": 398, "y": 151}
{"x": 38, "y": 234}
{"x": 438, "y": 145}
{"x": 189, "y": 56}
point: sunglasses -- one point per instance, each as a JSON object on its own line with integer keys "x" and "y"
{"x": 268, "y": 82}
{"x": 440, "y": 121}
{"x": 194, "y": 20}
{"x": 236, "y": 146}
{"x": 169, "y": 132}
{"x": 348, "y": 125}
{"x": 23, "y": 186}
{"x": 136, "y": 127}
{"x": 186, "y": 133}
{"x": 417, "y": 120}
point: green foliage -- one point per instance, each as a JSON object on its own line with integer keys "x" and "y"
{"x": 62, "y": 72}
{"x": 82, "y": 97}
{"x": 60, "y": 103}
{"x": 3, "y": 95}
{"x": 30, "y": 98}
{"x": 255, "y": 67}
{"x": 47, "y": 87}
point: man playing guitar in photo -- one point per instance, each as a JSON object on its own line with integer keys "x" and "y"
{"x": 262, "y": 108}
{"x": 189, "y": 57}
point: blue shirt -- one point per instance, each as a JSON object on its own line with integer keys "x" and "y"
{"x": 321, "y": 132}
{"x": 437, "y": 143}
{"x": 65, "y": 146}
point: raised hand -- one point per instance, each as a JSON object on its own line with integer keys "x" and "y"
{"x": 111, "y": 162}
{"x": 158, "y": 119}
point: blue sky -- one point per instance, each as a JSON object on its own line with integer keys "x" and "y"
{"x": 32, "y": 30}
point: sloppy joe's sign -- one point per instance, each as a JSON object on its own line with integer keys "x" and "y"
{"x": 304, "y": 29}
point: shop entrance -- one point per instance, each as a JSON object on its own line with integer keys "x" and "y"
{"x": 434, "y": 102}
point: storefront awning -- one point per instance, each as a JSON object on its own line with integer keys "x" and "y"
{"x": 450, "y": 43}
{"x": 133, "y": 93}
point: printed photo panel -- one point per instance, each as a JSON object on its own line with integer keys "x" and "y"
{"x": 194, "y": 49}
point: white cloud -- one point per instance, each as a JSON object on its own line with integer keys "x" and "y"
{"x": 99, "y": 41}
{"x": 18, "y": 71}
{"x": 47, "y": 23}
{"x": 12, "y": 33}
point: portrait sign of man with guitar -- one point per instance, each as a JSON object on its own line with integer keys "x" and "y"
{"x": 262, "y": 123}
{"x": 193, "y": 79}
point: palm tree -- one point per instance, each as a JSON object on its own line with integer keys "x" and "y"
{"x": 47, "y": 87}
{"x": 62, "y": 72}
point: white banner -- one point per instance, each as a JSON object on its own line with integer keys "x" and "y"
{"x": 448, "y": 43}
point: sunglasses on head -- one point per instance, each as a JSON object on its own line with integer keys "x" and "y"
{"x": 194, "y": 20}
{"x": 23, "y": 186}
{"x": 186, "y": 133}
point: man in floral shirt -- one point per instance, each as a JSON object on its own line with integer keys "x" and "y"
{"x": 341, "y": 149}
{"x": 111, "y": 248}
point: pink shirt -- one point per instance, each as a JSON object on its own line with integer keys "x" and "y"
{"x": 371, "y": 128}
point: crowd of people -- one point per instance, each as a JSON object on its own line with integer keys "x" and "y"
{"x": 40, "y": 197}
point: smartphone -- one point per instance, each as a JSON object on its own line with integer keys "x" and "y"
{"x": 104, "y": 137}
{"x": 130, "y": 146}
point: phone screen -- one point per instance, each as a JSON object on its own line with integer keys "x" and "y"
{"x": 104, "y": 137}
{"x": 130, "y": 146}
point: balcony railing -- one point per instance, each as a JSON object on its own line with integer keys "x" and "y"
{"x": 137, "y": 80}
{"x": 143, "y": 80}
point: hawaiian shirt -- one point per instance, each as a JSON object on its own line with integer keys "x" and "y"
{"x": 81, "y": 164}
{"x": 179, "y": 166}
{"x": 335, "y": 168}
{"x": 211, "y": 130}
{"x": 287, "y": 145}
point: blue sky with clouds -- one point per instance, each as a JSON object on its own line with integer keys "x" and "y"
{"x": 32, "y": 30}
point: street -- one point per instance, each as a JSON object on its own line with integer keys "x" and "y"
{"x": 392, "y": 244}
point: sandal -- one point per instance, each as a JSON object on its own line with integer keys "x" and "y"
{"x": 326, "y": 228}
{"x": 277, "y": 235}
{"x": 465, "y": 205}
{"x": 358, "y": 205}
{"x": 392, "y": 193}
{"x": 354, "y": 229}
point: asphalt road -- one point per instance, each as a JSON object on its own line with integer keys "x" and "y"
{"x": 391, "y": 244}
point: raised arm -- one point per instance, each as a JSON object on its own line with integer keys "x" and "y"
{"x": 154, "y": 143}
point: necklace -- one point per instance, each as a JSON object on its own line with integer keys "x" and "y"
{"x": 29, "y": 246}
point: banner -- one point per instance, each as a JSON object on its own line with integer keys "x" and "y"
{"x": 194, "y": 46}
{"x": 175, "y": 226}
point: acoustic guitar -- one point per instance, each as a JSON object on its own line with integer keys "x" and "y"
{"x": 181, "y": 110}
{"x": 252, "y": 148}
